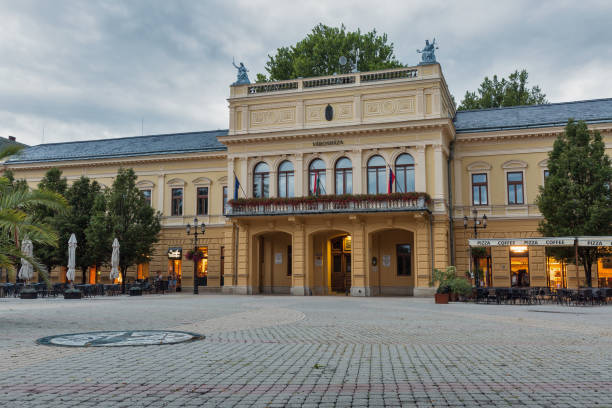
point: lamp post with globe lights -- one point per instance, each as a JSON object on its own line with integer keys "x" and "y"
{"x": 202, "y": 228}
{"x": 477, "y": 225}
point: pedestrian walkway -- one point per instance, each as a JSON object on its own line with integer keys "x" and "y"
{"x": 277, "y": 351}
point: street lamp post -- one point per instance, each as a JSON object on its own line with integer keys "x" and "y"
{"x": 477, "y": 225}
{"x": 195, "y": 250}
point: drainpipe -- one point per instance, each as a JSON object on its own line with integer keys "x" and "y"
{"x": 431, "y": 243}
{"x": 451, "y": 229}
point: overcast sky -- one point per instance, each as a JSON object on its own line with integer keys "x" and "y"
{"x": 94, "y": 69}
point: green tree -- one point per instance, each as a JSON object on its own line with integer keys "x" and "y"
{"x": 576, "y": 198}
{"x": 50, "y": 255}
{"x": 128, "y": 217}
{"x": 17, "y": 205}
{"x": 505, "y": 92}
{"x": 319, "y": 52}
{"x": 82, "y": 196}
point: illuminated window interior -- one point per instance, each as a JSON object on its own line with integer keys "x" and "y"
{"x": 143, "y": 271}
{"x": 557, "y": 277}
{"x": 519, "y": 266}
{"x": 92, "y": 275}
{"x": 604, "y": 271}
{"x": 203, "y": 264}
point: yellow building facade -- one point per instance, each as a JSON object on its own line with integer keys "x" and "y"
{"x": 349, "y": 184}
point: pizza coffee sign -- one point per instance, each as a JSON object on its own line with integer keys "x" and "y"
{"x": 552, "y": 241}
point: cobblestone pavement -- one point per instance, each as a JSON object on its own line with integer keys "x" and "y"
{"x": 277, "y": 351}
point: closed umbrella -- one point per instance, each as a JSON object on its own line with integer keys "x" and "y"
{"x": 26, "y": 272}
{"x": 114, "y": 274}
{"x": 72, "y": 244}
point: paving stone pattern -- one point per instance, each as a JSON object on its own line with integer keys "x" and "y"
{"x": 277, "y": 351}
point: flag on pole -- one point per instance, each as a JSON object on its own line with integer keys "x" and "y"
{"x": 316, "y": 184}
{"x": 391, "y": 180}
{"x": 236, "y": 187}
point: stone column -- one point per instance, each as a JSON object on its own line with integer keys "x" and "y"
{"x": 440, "y": 166}
{"x": 244, "y": 260}
{"x": 420, "y": 171}
{"x": 161, "y": 184}
{"x": 229, "y": 268}
{"x": 299, "y": 277}
{"x": 357, "y": 158}
{"x": 299, "y": 175}
{"x": 359, "y": 270}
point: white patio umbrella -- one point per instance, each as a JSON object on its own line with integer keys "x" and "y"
{"x": 26, "y": 272}
{"x": 114, "y": 273}
{"x": 72, "y": 244}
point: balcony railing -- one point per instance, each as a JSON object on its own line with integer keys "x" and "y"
{"x": 329, "y": 204}
{"x": 335, "y": 80}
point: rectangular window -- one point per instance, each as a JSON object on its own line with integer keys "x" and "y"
{"x": 202, "y": 197}
{"x": 224, "y": 199}
{"x": 546, "y": 174}
{"x": 177, "y": 202}
{"x": 515, "y": 187}
{"x": 480, "y": 189}
{"x": 147, "y": 196}
{"x": 404, "y": 263}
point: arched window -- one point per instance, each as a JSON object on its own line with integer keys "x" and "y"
{"x": 285, "y": 179}
{"x": 377, "y": 177}
{"x": 316, "y": 177}
{"x": 404, "y": 173}
{"x": 344, "y": 176}
{"x": 261, "y": 180}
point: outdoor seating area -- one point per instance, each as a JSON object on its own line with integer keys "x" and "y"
{"x": 543, "y": 295}
{"x": 88, "y": 290}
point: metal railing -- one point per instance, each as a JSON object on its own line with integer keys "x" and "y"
{"x": 310, "y": 206}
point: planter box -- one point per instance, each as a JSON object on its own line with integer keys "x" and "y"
{"x": 28, "y": 295}
{"x": 442, "y": 298}
{"x": 73, "y": 295}
{"x": 135, "y": 291}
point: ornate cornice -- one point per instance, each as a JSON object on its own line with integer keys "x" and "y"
{"x": 115, "y": 161}
{"x": 357, "y": 129}
{"x": 543, "y": 132}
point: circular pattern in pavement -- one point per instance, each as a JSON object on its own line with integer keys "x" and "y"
{"x": 120, "y": 338}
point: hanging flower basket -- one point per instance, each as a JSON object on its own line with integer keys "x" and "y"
{"x": 196, "y": 256}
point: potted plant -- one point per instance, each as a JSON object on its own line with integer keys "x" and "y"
{"x": 460, "y": 288}
{"x": 28, "y": 292}
{"x": 72, "y": 293}
{"x": 443, "y": 278}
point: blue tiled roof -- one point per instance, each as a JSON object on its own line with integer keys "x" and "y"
{"x": 520, "y": 117}
{"x": 124, "y": 147}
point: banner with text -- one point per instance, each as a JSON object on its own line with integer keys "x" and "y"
{"x": 551, "y": 241}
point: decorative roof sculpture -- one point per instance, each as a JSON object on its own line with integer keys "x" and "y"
{"x": 242, "y": 76}
{"x": 428, "y": 53}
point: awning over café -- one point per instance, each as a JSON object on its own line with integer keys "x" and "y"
{"x": 545, "y": 241}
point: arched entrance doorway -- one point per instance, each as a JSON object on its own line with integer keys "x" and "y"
{"x": 331, "y": 263}
{"x": 392, "y": 262}
{"x": 272, "y": 263}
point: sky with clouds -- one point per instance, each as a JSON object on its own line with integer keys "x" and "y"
{"x": 101, "y": 69}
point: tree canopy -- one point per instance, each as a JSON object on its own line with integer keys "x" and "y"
{"x": 319, "y": 52}
{"x": 497, "y": 93}
{"x": 127, "y": 216}
{"x": 81, "y": 196}
{"x": 50, "y": 255}
{"x": 17, "y": 204}
{"x": 576, "y": 197}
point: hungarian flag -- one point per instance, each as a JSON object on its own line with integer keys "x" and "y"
{"x": 391, "y": 181}
{"x": 315, "y": 190}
